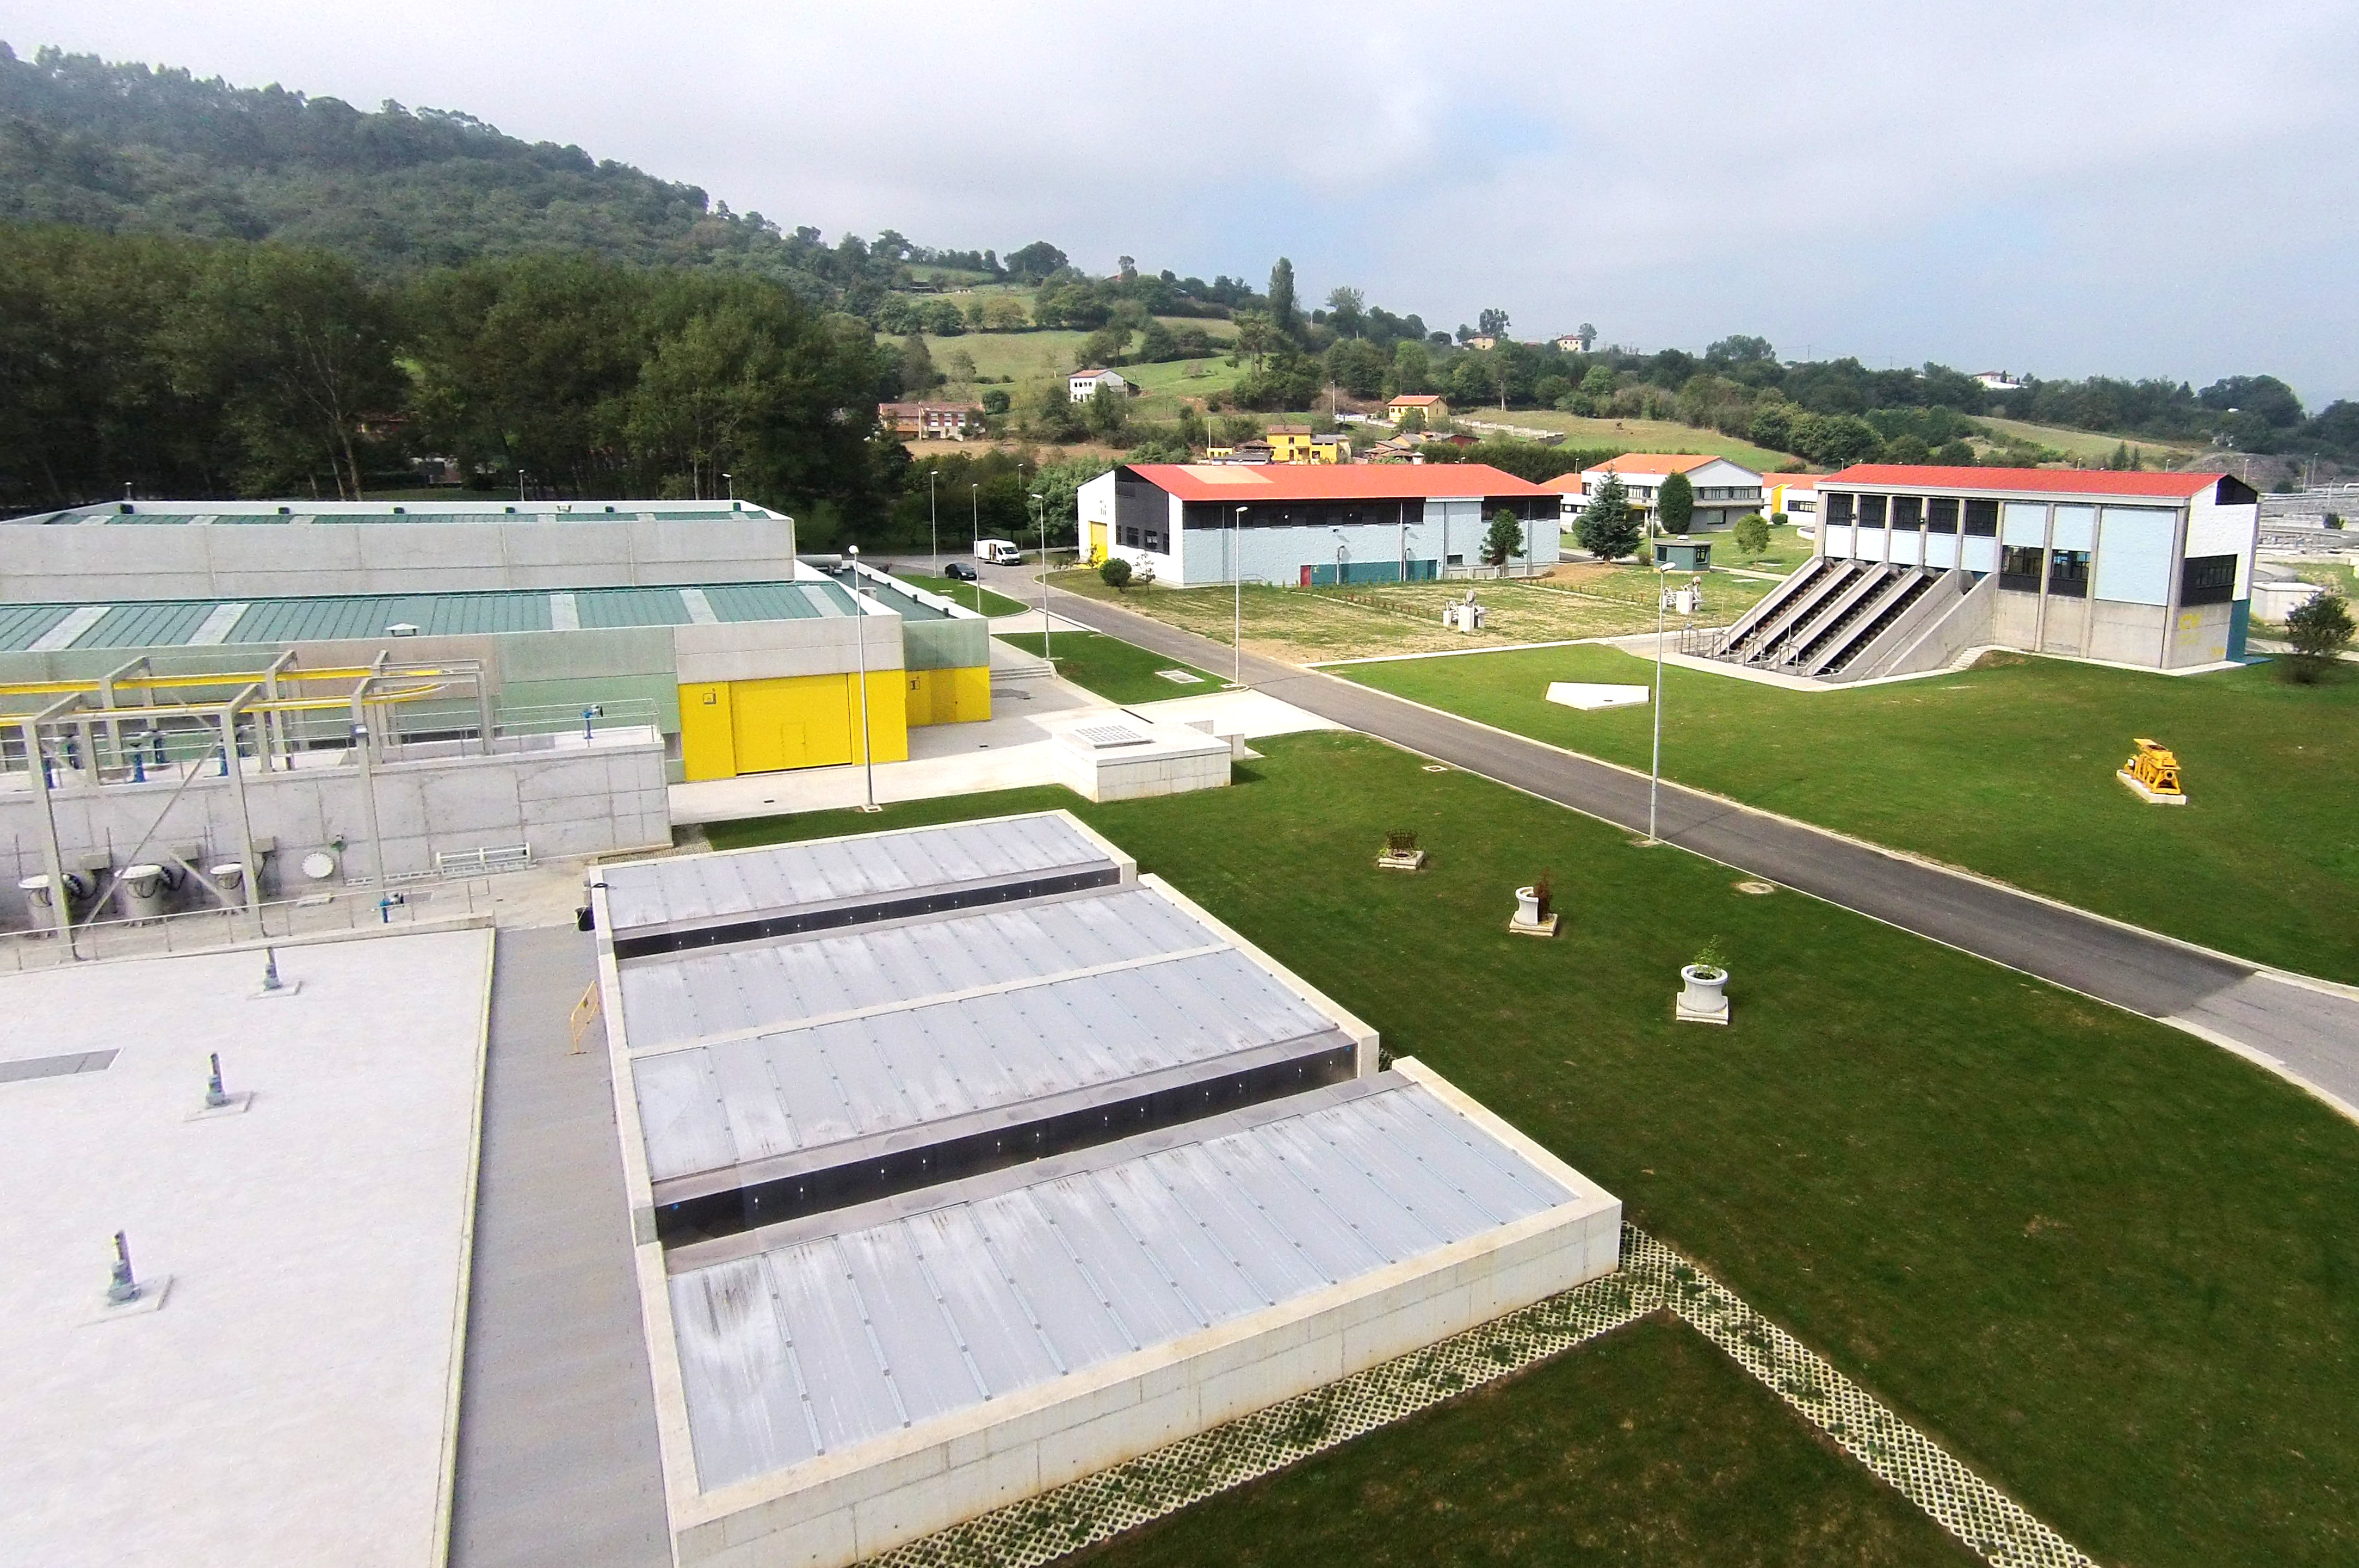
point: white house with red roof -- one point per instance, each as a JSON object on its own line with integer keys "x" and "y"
{"x": 1082, "y": 384}
{"x": 1310, "y": 525}
{"x": 1796, "y": 495}
{"x": 1725, "y": 491}
{"x": 1915, "y": 564}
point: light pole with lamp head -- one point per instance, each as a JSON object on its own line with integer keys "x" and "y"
{"x": 520, "y": 478}
{"x": 731, "y": 480}
{"x": 860, "y": 635}
{"x": 1237, "y": 589}
{"x": 1655, "y": 769}
{"x": 934, "y": 511}
{"x": 1040, "y": 516}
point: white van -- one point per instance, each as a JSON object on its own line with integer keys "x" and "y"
{"x": 999, "y": 552}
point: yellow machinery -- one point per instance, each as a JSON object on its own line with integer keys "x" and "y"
{"x": 2153, "y": 771}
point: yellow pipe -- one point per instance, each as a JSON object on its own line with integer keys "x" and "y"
{"x": 228, "y": 678}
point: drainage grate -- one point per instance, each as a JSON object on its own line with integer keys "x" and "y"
{"x": 1103, "y": 735}
{"x": 55, "y": 1066}
{"x": 1180, "y": 678}
{"x": 1652, "y": 1277}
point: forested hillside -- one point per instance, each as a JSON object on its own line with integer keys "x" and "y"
{"x": 133, "y": 151}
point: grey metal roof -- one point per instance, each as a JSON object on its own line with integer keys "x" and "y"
{"x": 22, "y": 625}
{"x": 811, "y": 1090}
{"x": 172, "y": 622}
{"x": 853, "y": 1326}
{"x": 704, "y": 888}
{"x": 677, "y": 998}
{"x": 428, "y": 510}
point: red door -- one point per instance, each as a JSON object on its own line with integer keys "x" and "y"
{"x": 1306, "y": 577}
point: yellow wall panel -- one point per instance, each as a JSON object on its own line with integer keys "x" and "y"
{"x": 970, "y": 695}
{"x": 889, "y": 714}
{"x": 920, "y": 704}
{"x": 707, "y": 744}
{"x": 791, "y": 722}
{"x": 1097, "y": 543}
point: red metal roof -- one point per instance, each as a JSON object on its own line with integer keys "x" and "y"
{"x": 2071, "y": 481}
{"x": 1661, "y": 462}
{"x": 1256, "y": 483}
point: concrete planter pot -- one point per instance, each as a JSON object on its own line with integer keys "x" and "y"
{"x": 1703, "y": 995}
{"x": 1527, "y": 906}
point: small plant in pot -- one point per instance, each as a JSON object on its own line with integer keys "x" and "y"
{"x": 1705, "y": 982}
{"x": 1536, "y": 903}
{"x": 1401, "y": 852}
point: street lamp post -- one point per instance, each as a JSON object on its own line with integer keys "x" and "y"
{"x": 731, "y": 480}
{"x": 934, "y": 511}
{"x": 1655, "y": 769}
{"x": 1237, "y": 592}
{"x": 520, "y": 478}
{"x": 1040, "y": 516}
{"x": 860, "y": 635}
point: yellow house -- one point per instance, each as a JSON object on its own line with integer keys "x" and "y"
{"x": 1433, "y": 407}
{"x": 1299, "y": 444}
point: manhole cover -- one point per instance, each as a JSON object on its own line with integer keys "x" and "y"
{"x": 1180, "y": 678}
{"x": 1436, "y": 767}
{"x": 1755, "y": 887}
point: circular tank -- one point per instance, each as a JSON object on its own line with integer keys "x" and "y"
{"x": 144, "y": 890}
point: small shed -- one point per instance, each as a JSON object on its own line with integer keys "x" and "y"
{"x": 1683, "y": 554}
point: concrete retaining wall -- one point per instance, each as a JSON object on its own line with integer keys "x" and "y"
{"x": 557, "y": 796}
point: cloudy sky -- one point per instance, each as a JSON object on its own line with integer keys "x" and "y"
{"x": 2142, "y": 189}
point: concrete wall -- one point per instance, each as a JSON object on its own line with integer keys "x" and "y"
{"x": 761, "y": 650}
{"x": 1176, "y": 760}
{"x": 557, "y": 797}
{"x": 100, "y": 561}
{"x": 843, "y": 1507}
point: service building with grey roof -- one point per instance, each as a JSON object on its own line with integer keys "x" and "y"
{"x": 965, "y": 1161}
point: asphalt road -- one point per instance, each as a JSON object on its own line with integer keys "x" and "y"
{"x": 2310, "y": 1034}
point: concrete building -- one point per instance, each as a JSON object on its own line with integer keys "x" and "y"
{"x": 1915, "y": 564}
{"x": 1301, "y": 443}
{"x": 930, "y": 421}
{"x": 1725, "y": 491}
{"x": 284, "y": 1386}
{"x": 1310, "y": 525}
{"x": 1082, "y": 384}
{"x": 697, "y": 618}
{"x": 1796, "y": 495}
{"x": 965, "y": 1161}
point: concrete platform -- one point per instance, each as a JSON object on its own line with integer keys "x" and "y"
{"x": 294, "y": 1400}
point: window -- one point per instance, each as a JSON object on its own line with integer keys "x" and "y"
{"x": 2018, "y": 568}
{"x": 1127, "y": 538}
{"x": 1907, "y": 511}
{"x": 2068, "y": 574}
{"x": 2208, "y": 580}
{"x": 1982, "y": 519}
{"x": 1800, "y": 504}
{"x": 1942, "y": 515}
{"x": 1839, "y": 508}
{"x": 1155, "y": 541}
{"x": 1871, "y": 511}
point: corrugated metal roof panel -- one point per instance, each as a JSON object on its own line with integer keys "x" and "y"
{"x": 630, "y": 607}
{"x": 434, "y": 615}
{"x": 776, "y": 601}
{"x": 1009, "y": 1283}
{"x": 677, "y": 998}
{"x": 158, "y": 625}
{"x": 799, "y": 1089}
{"x": 22, "y": 625}
{"x": 711, "y": 888}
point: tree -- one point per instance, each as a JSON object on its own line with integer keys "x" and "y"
{"x": 2319, "y": 631}
{"x": 1115, "y": 572}
{"x": 1675, "y": 504}
{"x": 1253, "y": 339}
{"x": 1491, "y": 323}
{"x": 918, "y": 373}
{"x": 1107, "y": 411}
{"x": 1347, "y": 310}
{"x": 1285, "y": 315}
{"x": 1035, "y": 262}
{"x": 1157, "y": 343}
{"x": 961, "y": 367}
{"x": 1751, "y": 534}
{"x": 1506, "y": 539}
{"x": 1772, "y": 426}
{"x": 1412, "y": 367}
{"x": 1607, "y": 527}
{"x": 995, "y": 400}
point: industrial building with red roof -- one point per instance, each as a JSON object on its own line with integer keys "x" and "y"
{"x": 1917, "y": 564}
{"x": 1192, "y": 524}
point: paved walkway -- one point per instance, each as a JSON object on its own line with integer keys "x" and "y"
{"x": 558, "y": 1463}
{"x": 2310, "y": 1033}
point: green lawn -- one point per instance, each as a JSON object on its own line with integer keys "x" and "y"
{"x": 973, "y": 596}
{"x": 1635, "y": 435}
{"x": 2087, "y": 446}
{"x": 2008, "y": 771}
{"x": 1648, "y": 1447}
{"x": 1117, "y": 671}
{"x": 2110, "y": 1265}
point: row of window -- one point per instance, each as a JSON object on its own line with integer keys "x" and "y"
{"x": 2203, "y": 579}
{"x": 1141, "y": 539}
{"x": 1935, "y": 515}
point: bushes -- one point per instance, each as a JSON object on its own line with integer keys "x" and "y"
{"x": 2320, "y": 631}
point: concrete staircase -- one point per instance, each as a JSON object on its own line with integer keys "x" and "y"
{"x": 1855, "y": 620}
